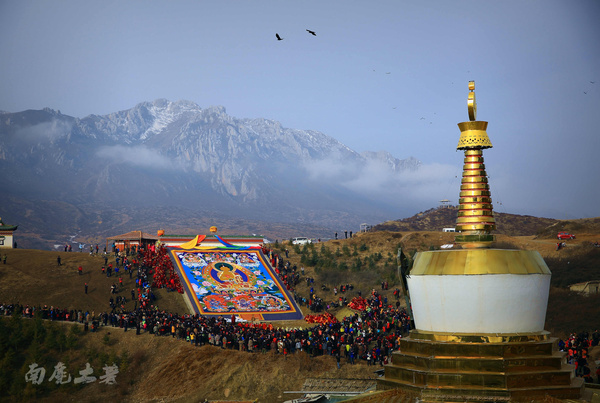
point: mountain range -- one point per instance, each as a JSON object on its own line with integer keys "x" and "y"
{"x": 180, "y": 167}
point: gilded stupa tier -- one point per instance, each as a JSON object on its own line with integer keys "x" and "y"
{"x": 469, "y": 368}
{"x": 475, "y": 203}
{"x": 475, "y": 213}
{"x": 473, "y": 134}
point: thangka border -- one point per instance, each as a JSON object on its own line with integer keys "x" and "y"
{"x": 292, "y": 314}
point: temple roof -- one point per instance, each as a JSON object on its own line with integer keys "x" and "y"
{"x": 4, "y": 227}
{"x": 133, "y": 235}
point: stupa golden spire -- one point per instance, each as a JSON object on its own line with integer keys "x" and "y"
{"x": 475, "y": 216}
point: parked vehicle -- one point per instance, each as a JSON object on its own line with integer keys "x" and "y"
{"x": 565, "y": 235}
{"x": 301, "y": 241}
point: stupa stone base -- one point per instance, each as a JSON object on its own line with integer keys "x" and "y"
{"x": 481, "y": 367}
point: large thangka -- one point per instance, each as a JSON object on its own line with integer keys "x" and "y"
{"x": 233, "y": 280}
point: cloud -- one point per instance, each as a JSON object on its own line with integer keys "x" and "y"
{"x": 329, "y": 169}
{"x": 46, "y": 131}
{"x": 418, "y": 188}
{"x": 138, "y": 156}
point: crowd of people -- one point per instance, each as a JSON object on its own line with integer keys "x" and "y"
{"x": 371, "y": 334}
{"x": 577, "y": 346}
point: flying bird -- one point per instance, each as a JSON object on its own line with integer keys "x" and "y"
{"x": 593, "y": 82}
{"x": 279, "y": 38}
{"x": 311, "y": 32}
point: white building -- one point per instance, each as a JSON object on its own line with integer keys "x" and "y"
{"x": 6, "y": 235}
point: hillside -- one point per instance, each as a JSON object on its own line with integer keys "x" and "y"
{"x": 153, "y": 368}
{"x": 583, "y": 226}
{"x": 167, "y": 369}
{"x": 33, "y": 276}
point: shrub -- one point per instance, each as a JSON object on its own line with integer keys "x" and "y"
{"x": 574, "y": 266}
{"x": 346, "y": 250}
{"x": 333, "y": 277}
{"x": 92, "y": 354}
{"x": 570, "y": 312}
{"x": 124, "y": 361}
{"x": 76, "y": 330}
{"x": 104, "y": 359}
{"x": 71, "y": 340}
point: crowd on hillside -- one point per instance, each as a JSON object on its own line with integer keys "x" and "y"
{"x": 577, "y": 347}
{"x": 371, "y": 334}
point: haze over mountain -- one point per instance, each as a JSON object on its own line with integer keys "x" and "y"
{"x": 134, "y": 168}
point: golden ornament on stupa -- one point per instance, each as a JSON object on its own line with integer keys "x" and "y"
{"x": 475, "y": 216}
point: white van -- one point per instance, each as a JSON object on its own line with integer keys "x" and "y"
{"x": 300, "y": 240}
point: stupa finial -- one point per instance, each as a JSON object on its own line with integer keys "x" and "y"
{"x": 475, "y": 216}
{"x": 471, "y": 103}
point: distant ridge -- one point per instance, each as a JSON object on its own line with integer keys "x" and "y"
{"x": 166, "y": 164}
{"x": 436, "y": 219}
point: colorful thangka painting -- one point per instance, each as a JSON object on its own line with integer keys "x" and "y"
{"x": 240, "y": 282}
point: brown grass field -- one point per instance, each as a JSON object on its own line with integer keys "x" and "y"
{"x": 164, "y": 369}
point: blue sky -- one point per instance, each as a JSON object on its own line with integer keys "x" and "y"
{"x": 386, "y": 75}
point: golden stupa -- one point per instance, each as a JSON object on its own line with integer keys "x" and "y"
{"x": 479, "y": 312}
{"x": 475, "y": 215}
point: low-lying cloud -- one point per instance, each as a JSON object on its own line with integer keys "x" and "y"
{"x": 419, "y": 188}
{"x": 46, "y": 131}
{"x": 138, "y": 156}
